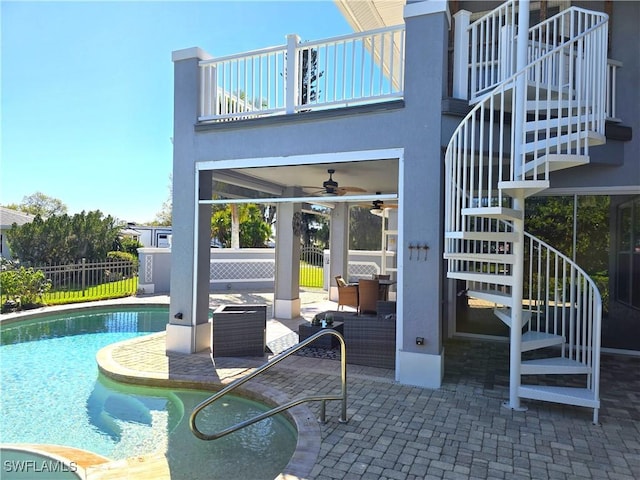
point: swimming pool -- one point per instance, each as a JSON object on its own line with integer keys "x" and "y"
{"x": 52, "y": 393}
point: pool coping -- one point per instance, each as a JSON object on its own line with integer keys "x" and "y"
{"x": 307, "y": 426}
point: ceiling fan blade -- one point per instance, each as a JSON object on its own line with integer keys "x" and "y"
{"x": 344, "y": 190}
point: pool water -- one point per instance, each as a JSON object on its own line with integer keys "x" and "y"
{"x": 52, "y": 393}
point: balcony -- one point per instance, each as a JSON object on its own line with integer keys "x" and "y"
{"x": 344, "y": 71}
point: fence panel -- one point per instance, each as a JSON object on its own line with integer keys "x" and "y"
{"x": 311, "y": 266}
{"x": 85, "y": 280}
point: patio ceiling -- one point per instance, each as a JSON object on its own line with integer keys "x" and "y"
{"x": 288, "y": 181}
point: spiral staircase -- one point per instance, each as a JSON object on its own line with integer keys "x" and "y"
{"x": 538, "y": 106}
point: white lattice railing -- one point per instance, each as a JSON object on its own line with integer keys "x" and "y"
{"x": 352, "y": 69}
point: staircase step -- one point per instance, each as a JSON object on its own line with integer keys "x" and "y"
{"x": 556, "y": 122}
{"x": 504, "y": 314}
{"x": 581, "y": 397}
{"x": 482, "y": 257}
{"x": 571, "y": 139}
{"x": 556, "y": 162}
{"x": 552, "y": 106}
{"x": 493, "y": 212}
{"x": 536, "y": 340}
{"x": 524, "y": 188}
{"x": 493, "y": 296}
{"x": 492, "y": 278}
{"x": 483, "y": 236}
{"x": 553, "y": 366}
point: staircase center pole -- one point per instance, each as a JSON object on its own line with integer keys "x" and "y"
{"x": 515, "y": 341}
{"x": 515, "y": 348}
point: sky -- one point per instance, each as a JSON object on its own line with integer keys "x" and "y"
{"x": 87, "y": 90}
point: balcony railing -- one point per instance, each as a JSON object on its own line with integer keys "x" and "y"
{"x": 350, "y": 70}
{"x": 478, "y": 69}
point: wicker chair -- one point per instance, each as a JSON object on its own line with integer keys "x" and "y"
{"x": 368, "y": 293}
{"x": 347, "y": 294}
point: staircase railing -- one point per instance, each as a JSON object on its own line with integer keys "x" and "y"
{"x": 482, "y": 153}
{"x": 564, "y": 300}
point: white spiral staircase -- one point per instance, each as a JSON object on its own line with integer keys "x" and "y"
{"x": 539, "y": 106}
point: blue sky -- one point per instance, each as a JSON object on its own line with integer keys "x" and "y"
{"x": 87, "y": 90}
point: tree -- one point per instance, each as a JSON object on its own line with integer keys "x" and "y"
{"x": 551, "y": 220}
{"x": 164, "y": 216}
{"x": 254, "y": 230}
{"x": 40, "y": 204}
{"x": 364, "y": 229}
{"x": 309, "y": 92}
{"x": 64, "y": 239}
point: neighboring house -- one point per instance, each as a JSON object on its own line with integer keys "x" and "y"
{"x": 8, "y": 218}
{"x": 159, "y": 237}
{"x": 457, "y": 115}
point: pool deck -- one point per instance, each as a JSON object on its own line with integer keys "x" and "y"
{"x": 459, "y": 431}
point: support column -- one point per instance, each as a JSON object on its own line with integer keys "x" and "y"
{"x": 515, "y": 347}
{"x": 338, "y": 247}
{"x": 287, "y": 282}
{"x": 188, "y": 330}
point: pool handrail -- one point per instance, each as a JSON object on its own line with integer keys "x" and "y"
{"x": 274, "y": 411}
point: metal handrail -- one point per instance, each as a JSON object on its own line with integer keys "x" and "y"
{"x": 277, "y": 359}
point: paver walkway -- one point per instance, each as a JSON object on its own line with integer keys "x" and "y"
{"x": 459, "y": 431}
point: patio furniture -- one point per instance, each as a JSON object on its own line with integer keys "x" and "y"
{"x": 239, "y": 331}
{"x": 385, "y": 282}
{"x": 347, "y": 294}
{"x": 368, "y": 293}
{"x": 371, "y": 339}
{"x": 305, "y": 330}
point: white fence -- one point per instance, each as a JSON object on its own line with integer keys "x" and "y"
{"x": 352, "y": 69}
{"x": 243, "y": 269}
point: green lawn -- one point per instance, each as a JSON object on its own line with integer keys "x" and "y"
{"x": 104, "y": 291}
{"x": 311, "y": 275}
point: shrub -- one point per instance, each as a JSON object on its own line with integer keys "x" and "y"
{"x": 117, "y": 255}
{"x": 25, "y": 286}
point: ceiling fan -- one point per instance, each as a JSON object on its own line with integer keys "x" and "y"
{"x": 377, "y": 207}
{"x": 330, "y": 187}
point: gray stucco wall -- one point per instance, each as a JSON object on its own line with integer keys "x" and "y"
{"x": 413, "y": 125}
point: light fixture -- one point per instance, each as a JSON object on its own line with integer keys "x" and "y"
{"x": 377, "y": 204}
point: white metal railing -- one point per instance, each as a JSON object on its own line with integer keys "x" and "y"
{"x": 564, "y": 301}
{"x": 352, "y": 69}
{"x": 484, "y": 150}
{"x": 492, "y": 43}
{"x": 484, "y": 51}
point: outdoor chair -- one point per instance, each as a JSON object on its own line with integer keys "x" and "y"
{"x": 368, "y": 292}
{"x": 347, "y": 294}
{"x": 383, "y": 292}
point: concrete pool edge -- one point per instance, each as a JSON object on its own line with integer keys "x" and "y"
{"x": 308, "y": 430}
{"x": 308, "y": 443}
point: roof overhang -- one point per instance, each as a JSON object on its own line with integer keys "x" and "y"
{"x": 365, "y": 15}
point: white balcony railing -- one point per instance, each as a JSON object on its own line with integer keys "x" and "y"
{"x": 349, "y": 70}
{"x": 478, "y": 69}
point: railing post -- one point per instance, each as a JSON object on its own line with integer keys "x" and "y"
{"x": 84, "y": 282}
{"x": 292, "y": 74}
{"x": 462, "y": 19}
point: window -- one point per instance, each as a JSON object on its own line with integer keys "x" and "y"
{"x": 628, "y": 253}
